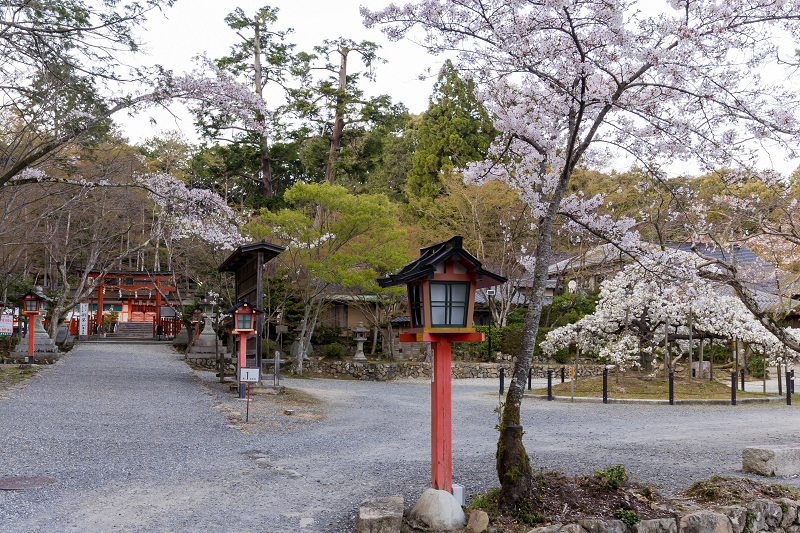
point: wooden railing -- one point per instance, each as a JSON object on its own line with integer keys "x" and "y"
{"x": 170, "y": 326}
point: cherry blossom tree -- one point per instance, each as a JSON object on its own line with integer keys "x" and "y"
{"x": 638, "y": 304}
{"x": 569, "y": 80}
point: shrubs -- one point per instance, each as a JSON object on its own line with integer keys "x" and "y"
{"x": 334, "y": 350}
{"x": 755, "y": 367}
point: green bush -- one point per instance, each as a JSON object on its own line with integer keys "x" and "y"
{"x": 755, "y": 367}
{"x": 511, "y": 339}
{"x": 626, "y": 516}
{"x": 334, "y": 350}
{"x": 326, "y": 335}
{"x": 612, "y": 477}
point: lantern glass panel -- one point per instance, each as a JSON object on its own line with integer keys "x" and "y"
{"x": 449, "y": 302}
{"x": 244, "y": 320}
{"x": 415, "y": 302}
{"x": 30, "y": 305}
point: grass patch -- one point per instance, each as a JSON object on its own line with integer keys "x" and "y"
{"x": 634, "y": 385}
{"x": 12, "y": 375}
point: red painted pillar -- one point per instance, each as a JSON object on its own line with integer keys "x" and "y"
{"x": 30, "y": 338}
{"x": 242, "y": 350}
{"x": 99, "y": 313}
{"x": 441, "y": 420}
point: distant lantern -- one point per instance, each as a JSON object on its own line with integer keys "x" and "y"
{"x": 32, "y": 303}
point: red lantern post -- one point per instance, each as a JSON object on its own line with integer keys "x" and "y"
{"x": 441, "y": 295}
{"x": 244, "y": 324}
{"x": 31, "y": 302}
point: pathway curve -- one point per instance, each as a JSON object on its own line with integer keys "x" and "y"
{"x": 140, "y": 442}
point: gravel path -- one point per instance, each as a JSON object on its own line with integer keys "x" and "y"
{"x": 140, "y": 442}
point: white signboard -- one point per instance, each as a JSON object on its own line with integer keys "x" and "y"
{"x": 84, "y": 326}
{"x": 248, "y": 375}
{"x": 6, "y": 325}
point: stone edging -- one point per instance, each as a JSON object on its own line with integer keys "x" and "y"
{"x": 754, "y": 517}
{"x": 373, "y": 371}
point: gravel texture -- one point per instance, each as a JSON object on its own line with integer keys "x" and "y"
{"x": 140, "y": 442}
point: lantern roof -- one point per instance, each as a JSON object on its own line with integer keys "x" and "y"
{"x": 430, "y": 257}
{"x": 35, "y": 295}
{"x": 244, "y": 303}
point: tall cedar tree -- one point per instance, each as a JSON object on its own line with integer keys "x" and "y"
{"x": 455, "y": 130}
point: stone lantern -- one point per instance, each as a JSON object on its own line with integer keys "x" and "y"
{"x": 205, "y": 344}
{"x": 361, "y": 336}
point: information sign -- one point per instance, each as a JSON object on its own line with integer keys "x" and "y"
{"x": 572, "y": 372}
{"x": 84, "y": 325}
{"x": 6, "y": 325}
{"x": 248, "y": 375}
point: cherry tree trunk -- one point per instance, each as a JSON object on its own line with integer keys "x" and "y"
{"x": 513, "y": 464}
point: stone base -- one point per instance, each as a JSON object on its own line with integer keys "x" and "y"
{"x": 437, "y": 510}
{"x": 779, "y": 460}
{"x": 380, "y": 515}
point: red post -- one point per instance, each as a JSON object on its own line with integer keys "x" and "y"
{"x": 441, "y": 418}
{"x": 30, "y": 338}
{"x": 242, "y": 351}
{"x": 99, "y": 313}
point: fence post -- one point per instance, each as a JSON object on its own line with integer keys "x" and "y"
{"x": 549, "y": 385}
{"x": 529, "y": 377}
{"x": 502, "y": 380}
{"x": 562, "y": 373}
{"x": 742, "y": 379}
{"x": 672, "y": 388}
{"x": 605, "y": 385}
{"x": 789, "y": 386}
{"x": 733, "y": 388}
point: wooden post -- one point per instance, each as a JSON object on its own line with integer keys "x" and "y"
{"x": 441, "y": 419}
{"x": 30, "y": 339}
{"x": 99, "y": 313}
{"x": 667, "y": 355}
{"x": 691, "y": 345}
{"x": 242, "y": 361}
{"x": 711, "y": 359}
{"x": 158, "y": 301}
{"x": 702, "y": 341}
{"x": 258, "y": 301}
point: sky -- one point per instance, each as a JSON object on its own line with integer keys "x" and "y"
{"x": 191, "y": 27}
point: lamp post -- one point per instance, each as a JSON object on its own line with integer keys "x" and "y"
{"x": 31, "y": 303}
{"x": 244, "y": 324}
{"x": 441, "y": 288}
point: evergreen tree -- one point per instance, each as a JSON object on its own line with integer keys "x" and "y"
{"x": 455, "y": 130}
